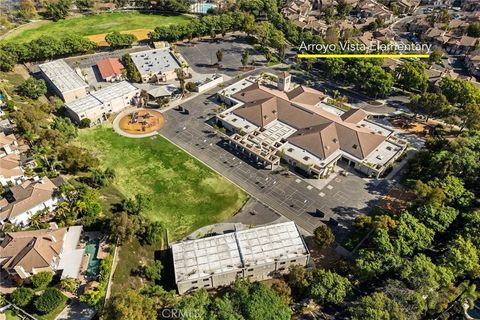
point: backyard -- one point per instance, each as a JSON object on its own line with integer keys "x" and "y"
{"x": 94, "y": 24}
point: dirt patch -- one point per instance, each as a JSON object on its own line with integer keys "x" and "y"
{"x": 397, "y": 199}
{"x": 141, "y": 34}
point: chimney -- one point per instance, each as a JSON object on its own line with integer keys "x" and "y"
{"x": 283, "y": 82}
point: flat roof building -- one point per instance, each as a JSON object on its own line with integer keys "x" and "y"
{"x": 97, "y": 105}
{"x": 257, "y": 254}
{"x": 156, "y": 65}
{"x": 63, "y": 80}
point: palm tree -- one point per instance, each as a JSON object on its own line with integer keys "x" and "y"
{"x": 181, "y": 78}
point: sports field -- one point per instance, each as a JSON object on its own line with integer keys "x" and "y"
{"x": 185, "y": 193}
{"x": 94, "y": 24}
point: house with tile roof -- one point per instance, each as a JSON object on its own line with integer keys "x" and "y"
{"x": 11, "y": 171}
{"x": 25, "y": 253}
{"x": 271, "y": 124}
{"x": 27, "y": 198}
{"x": 111, "y": 69}
{"x": 8, "y": 144}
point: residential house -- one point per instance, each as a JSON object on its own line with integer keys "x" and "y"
{"x": 25, "y": 253}
{"x": 255, "y": 254}
{"x": 372, "y": 8}
{"x": 472, "y": 62}
{"x": 461, "y": 45}
{"x": 10, "y": 169}
{"x": 8, "y": 144}
{"x": 28, "y": 198}
{"x": 111, "y": 69}
{"x": 407, "y": 6}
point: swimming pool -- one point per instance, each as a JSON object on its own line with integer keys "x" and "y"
{"x": 93, "y": 263}
{"x": 201, "y": 7}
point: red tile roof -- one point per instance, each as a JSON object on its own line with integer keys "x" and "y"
{"x": 110, "y": 67}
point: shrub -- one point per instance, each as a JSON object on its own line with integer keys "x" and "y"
{"x": 68, "y": 284}
{"x": 323, "y": 236}
{"x": 42, "y": 279}
{"x": 50, "y": 299}
{"x": 22, "y": 296}
{"x": 32, "y": 88}
{"x": 190, "y": 86}
{"x": 85, "y": 123}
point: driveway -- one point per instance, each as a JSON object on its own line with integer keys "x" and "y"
{"x": 76, "y": 310}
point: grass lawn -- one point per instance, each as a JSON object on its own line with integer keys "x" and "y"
{"x": 10, "y": 315}
{"x": 185, "y": 193}
{"x": 94, "y": 24}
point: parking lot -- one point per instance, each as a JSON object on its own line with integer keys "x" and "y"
{"x": 202, "y": 54}
{"x": 336, "y": 204}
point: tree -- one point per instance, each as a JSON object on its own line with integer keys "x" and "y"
{"x": 412, "y": 76}
{"x": 421, "y": 273}
{"x": 85, "y": 123}
{"x": 283, "y": 290}
{"x": 42, "y": 279}
{"x": 181, "y": 79}
{"x": 299, "y": 280}
{"x": 117, "y": 40}
{"x": 470, "y": 117}
{"x": 473, "y": 29}
{"x": 152, "y": 233}
{"x": 59, "y": 9}
{"x": 436, "y": 56}
{"x": 50, "y": 299}
{"x": 436, "y": 218}
{"x": 162, "y": 101}
{"x": 84, "y": 5}
{"x": 459, "y": 92}
{"x": 429, "y": 104}
{"x": 123, "y": 227}
{"x": 376, "y": 307}
{"x": 258, "y": 302}
{"x": 7, "y": 60}
{"x": 21, "y": 297}
{"x": 329, "y": 287}
{"x": 27, "y": 9}
{"x": 136, "y": 205}
{"x": 219, "y": 55}
{"x": 343, "y": 8}
{"x": 411, "y": 235}
{"x": 323, "y": 236}
{"x": 32, "y": 88}
{"x": 65, "y": 126}
{"x": 245, "y": 57}
{"x": 462, "y": 256}
{"x": 68, "y": 284}
{"x": 131, "y": 70}
{"x": 191, "y": 86}
{"x": 129, "y": 305}
{"x": 152, "y": 271}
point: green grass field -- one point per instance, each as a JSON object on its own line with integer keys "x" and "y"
{"x": 185, "y": 193}
{"x": 94, "y": 24}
